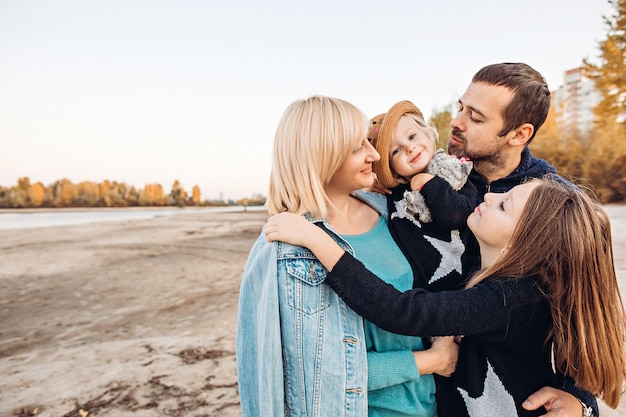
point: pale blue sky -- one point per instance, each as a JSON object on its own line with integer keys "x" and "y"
{"x": 149, "y": 91}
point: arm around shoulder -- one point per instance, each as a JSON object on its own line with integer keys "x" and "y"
{"x": 297, "y": 230}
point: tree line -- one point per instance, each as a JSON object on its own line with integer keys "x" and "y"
{"x": 64, "y": 193}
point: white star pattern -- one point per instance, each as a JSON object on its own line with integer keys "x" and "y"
{"x": 450, "y": 255}
{"x": 402, "y": 213}
{"x": 495, "y": 399}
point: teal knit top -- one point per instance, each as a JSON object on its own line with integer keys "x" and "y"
{"x": 395, "y": 387}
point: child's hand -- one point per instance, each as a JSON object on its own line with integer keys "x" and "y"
{"x": 418, "y": 180}
{"x": 452, "y": 169}
{"x": 290, "y": 228}
{"x": 463, "y": 159}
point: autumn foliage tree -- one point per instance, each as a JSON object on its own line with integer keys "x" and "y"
{"x": 178, "y": 194}
{"x": 152, "y": 195}
{"x": 563, "y": 149}
{"x": 195, "y": 195}
{"x": 609, "y": 74}
{"x": 64, "y": 193}
{"x": 605, "y": 164}
{"x": 88, "y": 193}
{"x": 36, "y": 194}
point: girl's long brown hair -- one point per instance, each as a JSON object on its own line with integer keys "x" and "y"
{"x": 564, "y": 238}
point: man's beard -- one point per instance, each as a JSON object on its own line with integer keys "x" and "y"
{"x": 460, "y": 149}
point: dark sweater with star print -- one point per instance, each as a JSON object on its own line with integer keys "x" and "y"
{"x": 436, "y": 249}
{"x": 502, "y": 359}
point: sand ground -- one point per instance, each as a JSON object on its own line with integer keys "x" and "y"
{"x": 134, "y": 318}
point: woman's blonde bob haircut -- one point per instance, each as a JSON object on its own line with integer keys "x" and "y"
{"x": 313, "y": 139}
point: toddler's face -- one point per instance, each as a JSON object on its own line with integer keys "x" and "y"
{"x": 410, "y": 148}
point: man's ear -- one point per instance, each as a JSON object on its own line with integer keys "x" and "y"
{"x": 521, "y": 135}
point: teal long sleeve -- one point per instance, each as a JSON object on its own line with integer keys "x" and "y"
{"x": 385, "y": 369}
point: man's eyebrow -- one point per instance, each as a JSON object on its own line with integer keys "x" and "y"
{"x": 475, "y": 110}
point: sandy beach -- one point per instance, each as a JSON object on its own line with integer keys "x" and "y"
{"x": 135, "y": 318}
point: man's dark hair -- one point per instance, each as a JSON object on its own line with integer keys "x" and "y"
{"x": 531, "y": 96}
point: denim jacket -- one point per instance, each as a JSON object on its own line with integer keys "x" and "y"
{"x": 300, "y": 349}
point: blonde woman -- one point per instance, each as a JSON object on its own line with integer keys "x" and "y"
{"x": 301, "y": 351}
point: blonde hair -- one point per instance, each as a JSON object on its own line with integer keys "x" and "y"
{"x": 564, "y": 238}
{"x": 313, "y": 139}
{"x": 430, "y": 132}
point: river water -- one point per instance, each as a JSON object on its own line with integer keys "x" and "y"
{"x": 22, "y": 219}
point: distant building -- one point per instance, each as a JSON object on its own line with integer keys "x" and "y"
{"x": 574, "y": 102}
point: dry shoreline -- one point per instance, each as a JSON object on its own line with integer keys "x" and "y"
{"x": 131, "y": 318}
{"x": 135, "y": 318}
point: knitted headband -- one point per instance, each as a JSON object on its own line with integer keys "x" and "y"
{"x": 379, "y": 134}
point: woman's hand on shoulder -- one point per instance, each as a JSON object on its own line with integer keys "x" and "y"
{"x": 290, "y": 228}
{"x": 297, "y": 230}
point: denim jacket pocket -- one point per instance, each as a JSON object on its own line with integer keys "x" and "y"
{"x": 307, "y": 292}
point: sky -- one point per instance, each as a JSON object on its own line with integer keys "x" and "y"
{"x": 153, "y": 91}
